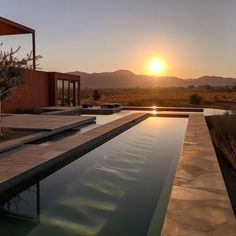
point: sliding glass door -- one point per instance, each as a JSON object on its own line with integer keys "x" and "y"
{"x": 67, "y": 93}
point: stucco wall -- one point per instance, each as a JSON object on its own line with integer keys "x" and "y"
{"x": 34, "y": 93}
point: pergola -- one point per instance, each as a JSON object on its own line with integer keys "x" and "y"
{"x": 8, "y": 27}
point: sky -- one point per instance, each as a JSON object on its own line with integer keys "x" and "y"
{"x": 193, "y": 37}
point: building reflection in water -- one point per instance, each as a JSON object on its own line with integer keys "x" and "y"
{"x": 21, "y": 213}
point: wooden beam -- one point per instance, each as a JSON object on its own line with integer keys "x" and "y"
{"x": 34, "y": 50}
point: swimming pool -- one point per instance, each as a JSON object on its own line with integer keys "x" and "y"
{"x": 116, "y": 189}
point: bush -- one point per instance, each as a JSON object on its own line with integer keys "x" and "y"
{"x": 195, "y": 99}
{"x": 96, "y": 95}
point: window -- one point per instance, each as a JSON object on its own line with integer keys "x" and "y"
{"x": 67, "y": 92}
{"x": 76, "y": 93}
{"x": 59, "y": 92}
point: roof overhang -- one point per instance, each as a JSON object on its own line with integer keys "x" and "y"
{"x": 8, "y": 27}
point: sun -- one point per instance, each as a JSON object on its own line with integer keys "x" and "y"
{"x": 156, "y": 67}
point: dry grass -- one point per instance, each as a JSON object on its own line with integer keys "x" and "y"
{"x": 163, "y": 96}
{"x": 223, "y": 134}
{"x": 227, "y": 148}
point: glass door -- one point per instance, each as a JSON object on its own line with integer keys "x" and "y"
{"x": 71, "y": 94}
{"x": 60, "y": 93}
{"x": 67, "y": 93}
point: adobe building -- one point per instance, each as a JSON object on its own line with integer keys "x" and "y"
{"x": 41, "y": 89}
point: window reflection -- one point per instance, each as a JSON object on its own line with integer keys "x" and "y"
{"x": 59, "y": 92}
{"x": 76, "y": 93}
{"x": 67, "y": 93}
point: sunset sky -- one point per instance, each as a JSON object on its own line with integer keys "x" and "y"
{"x": 193, "y": 37}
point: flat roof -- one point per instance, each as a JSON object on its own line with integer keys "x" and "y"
{"x": 8, "y": 27}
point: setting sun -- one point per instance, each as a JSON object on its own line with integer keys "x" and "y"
{"x": 156, "y": 67}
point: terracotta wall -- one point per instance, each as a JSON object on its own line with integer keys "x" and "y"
{"x": 34, "y": 93}
{"x": 39, "y": 90}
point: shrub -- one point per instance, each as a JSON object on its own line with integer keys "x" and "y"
{"x": 96, "y": 95}
{"x": 195, "y": 99}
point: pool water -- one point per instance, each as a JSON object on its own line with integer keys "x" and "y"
{"x": 113, "y": 190}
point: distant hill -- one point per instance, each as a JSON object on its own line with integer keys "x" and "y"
{"x": 213, "y": 81}
{"x": 127, "y": 79}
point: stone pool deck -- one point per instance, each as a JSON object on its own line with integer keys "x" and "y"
{"x": 43, "y": 122}
{"x": 199, "y": 202}
{"x": 32, "y": 161}
{"x": 43, "y": 125}
{"x": 170, "y": 109}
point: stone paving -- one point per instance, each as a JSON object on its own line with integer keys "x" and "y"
{"x": 43, "y": 125}
{"x": 199, "y": 202}
{"x": 43, "y": 122}
{"x": 13, "y": 143}
{"x": 34, "y": 159}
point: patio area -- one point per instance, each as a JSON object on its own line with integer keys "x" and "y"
{"x": 43, "y": 122}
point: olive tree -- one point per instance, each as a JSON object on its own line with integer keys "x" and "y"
{"x": 12, "y": 71}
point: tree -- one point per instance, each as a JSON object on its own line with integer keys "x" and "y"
{"x": 96, "y": 95}
{"x": 12, "y": 71}
{"x": 195, "y": 99}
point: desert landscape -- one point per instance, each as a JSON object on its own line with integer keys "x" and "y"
{"x": 117, "y": 118}
{"x": 223, "y": 98}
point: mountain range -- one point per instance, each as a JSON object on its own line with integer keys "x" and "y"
{"x": 127, "y": 79}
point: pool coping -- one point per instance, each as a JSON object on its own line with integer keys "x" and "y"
{"x": 199, "y": 203}
{"x": 100, "y": 111}
{"x": 158, "y": 108}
